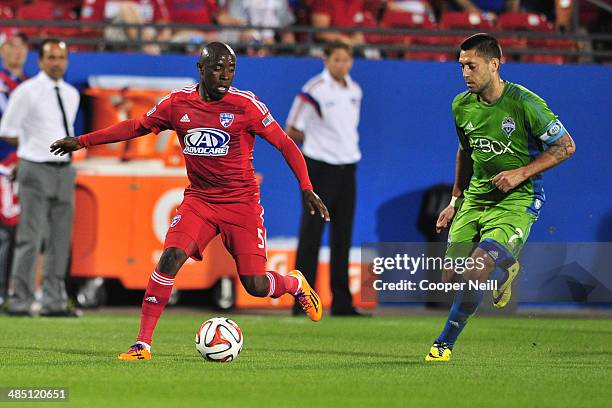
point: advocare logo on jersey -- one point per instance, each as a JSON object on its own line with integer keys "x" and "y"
{"x": 206, "y": 142}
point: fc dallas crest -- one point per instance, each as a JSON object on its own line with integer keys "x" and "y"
{"x": 226, "y": 119}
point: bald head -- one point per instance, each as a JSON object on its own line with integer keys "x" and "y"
{"x": 214, "y": 51}
{"x": 216, "y": 66}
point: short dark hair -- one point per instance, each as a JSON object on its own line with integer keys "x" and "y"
{"x": 485, "y": 45}
{"x": 41, "y": 49}
{"x": 338, "y": 45}
{"x": 15, "y": 34}
{"x": 23, "y": 36}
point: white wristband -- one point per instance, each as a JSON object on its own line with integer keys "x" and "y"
{"x": 455, "y": 201}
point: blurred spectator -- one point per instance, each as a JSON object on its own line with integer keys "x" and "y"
{"x": 40, "y": 109}
{"x": 410, "y": 6}
{"x": 324, "y": 117}
{"x": 264, "y": 13}
{"x": 141, "y": 12}
{"x": 203, "y": 12}
{"x": 341, "y": 14}
{"x": 13, "y": 50}
{"x": 559, "y": 11}
{"x": 490, "y": 9}
{"x": 414, "y": 7}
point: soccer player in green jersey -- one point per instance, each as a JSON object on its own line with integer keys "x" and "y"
{"x": 507, "y": 138}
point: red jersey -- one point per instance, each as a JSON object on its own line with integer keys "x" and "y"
{"x": 217, "y": 140}
{"x": 9, "y": 200}
{"x": 342, "y": 13}
{"x": 192, "y": 11}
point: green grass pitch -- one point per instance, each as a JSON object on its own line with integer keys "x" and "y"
{"x": 339, "y": 362}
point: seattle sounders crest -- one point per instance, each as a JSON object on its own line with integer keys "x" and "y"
{"x": 508, "y": 126}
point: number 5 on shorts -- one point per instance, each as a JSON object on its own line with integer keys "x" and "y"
{"x": 262, "y": 238}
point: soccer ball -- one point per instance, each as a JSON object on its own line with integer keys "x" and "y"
{"x": 219, "y": 339}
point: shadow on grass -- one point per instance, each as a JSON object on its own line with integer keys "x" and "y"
{"x": 329, "y": 352}
{"x": 61, "y": 350}
{"x": 400, "y": 360}
{"x": 348, "y": 359}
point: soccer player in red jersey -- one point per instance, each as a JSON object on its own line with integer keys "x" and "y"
{"x": 216, "y": 125}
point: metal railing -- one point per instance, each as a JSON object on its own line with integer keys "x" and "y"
{"x": 91, "y": 35}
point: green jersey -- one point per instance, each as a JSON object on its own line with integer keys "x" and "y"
{"x": 505, "y": 135}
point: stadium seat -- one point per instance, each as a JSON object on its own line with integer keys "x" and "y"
{"x": 550, "y": 44}
{"x": 464, "y": 20}
{"x": 42, "y": 10}
{"x": 64, "y": 14}
{"x": 400, "y": 19}
{"x": 369, "y": 22}
{"x": 543, "y": 59}
{"x": 518, "y": 21}
{"x": 533, "y": 22}
{"x": 6, "y": 13}
{"x": 48, "y": 10}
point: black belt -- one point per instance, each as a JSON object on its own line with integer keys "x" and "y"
{"x": 57, "y": 163}
{"x": 333, "y": 166}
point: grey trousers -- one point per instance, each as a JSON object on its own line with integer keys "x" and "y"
{"x": 46, "y": 193}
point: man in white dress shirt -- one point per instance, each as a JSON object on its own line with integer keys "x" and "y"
{"x": 324, "y": 117}
{"x": 39, "y": 111}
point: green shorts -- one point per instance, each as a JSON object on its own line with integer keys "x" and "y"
{"x": 504, "y": 225}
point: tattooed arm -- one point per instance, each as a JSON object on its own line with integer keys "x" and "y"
{"x": 559, "y": 151}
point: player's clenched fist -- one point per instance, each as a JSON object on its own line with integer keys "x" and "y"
{"x": 445, "y": 217}
{"x": 64, "y": 146}
{"x": 509, "y": 179}
{"x": 315, "y": 204}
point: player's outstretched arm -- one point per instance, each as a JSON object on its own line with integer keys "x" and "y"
{"x": 126, "y": 130}
{"x": 66, "y": 145}
{"x": 463, "y": 173}
{"x": 558, "y": 151}
{"x": 315, "y": 204}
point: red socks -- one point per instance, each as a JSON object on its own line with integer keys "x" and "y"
{"x": 159, "y": 288}
{"x": 281, "y": 284}
{"x": 153, "y": 304}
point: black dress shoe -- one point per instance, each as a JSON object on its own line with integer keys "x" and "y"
{"x": 350, "y": 313}
{"x": 62, "y": 313}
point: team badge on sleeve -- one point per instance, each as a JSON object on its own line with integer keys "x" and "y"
{"x": 267, "y": 120}
{"x": 508, "y": 126}
{"x": 226, "y": 119}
